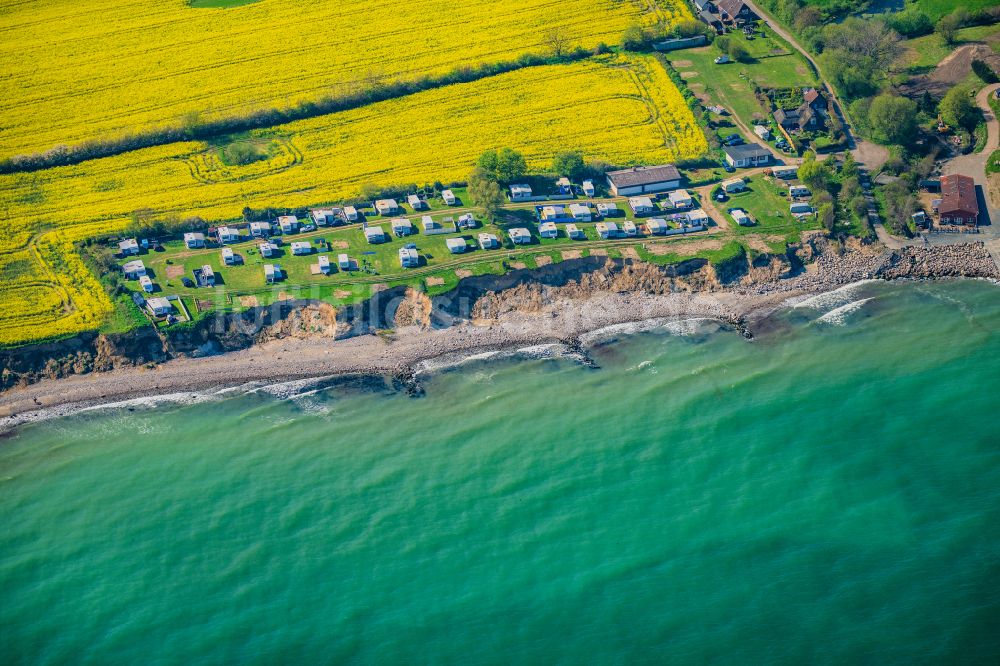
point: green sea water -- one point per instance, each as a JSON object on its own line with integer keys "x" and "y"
{"x": 829, "y": 493}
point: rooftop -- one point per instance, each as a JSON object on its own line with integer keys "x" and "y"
{"x": 644, "y": 175}
{"x": 958, "y": 193}
{"x": 746, "y": 150}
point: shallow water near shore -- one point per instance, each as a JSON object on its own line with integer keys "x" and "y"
{"x": 829, "y": 493}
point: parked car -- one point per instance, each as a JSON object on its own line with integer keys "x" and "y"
{"x": 722, "y": 60}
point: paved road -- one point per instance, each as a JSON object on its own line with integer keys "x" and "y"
{"x": 870, "y": 154}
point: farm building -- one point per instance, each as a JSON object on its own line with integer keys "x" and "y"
{"x": 456, "y": 245}
{"x": 408, "y": 257}
{"x": 746, "y": 155}
{"x": 448, "y": 197}
{"x": 429, "y": 223}
{"x": 488, "y": 241}
{"x": 467, "y": 221}
{"x": 416, "y": 203}
{"x": 146, "y": 284}
{"x": 350, "y": 213}
{"x": 798, "y": 191}
{"x": 657, "y": 225}
{"x": 641, "y": 205}
{"x": 548, "y": 230}
{"x": 629, "y": 228}
{"x": 159, "y": 306}
{"x": 289, "y": 224}
{"x": 323, "y": 262}
{"x": 520, "y": 192}
{"x": 519, "y": 236}
{"x": 607, "y": 230}
{"x": 260, "y": 229}
{"x": 733, "y": 185}
{"x": 374, "y": 235}
{"x": 344, "y": 262}
{"x": 800, "y": 208}
{"x": 134, "y": 269}
{"x": 267, "y": 249}
{"x": 401, "y": 226}
{"x": 741, "y": 218}
{"x": 301, "y": 247}
{"x": 128, "y": 247}
{"x": 324, "y": 217}
{"x": 206, "y": 277}
{"x": 588, "y": 188}
{"x": 608, "y": 209}
{"x": 681, "y": 199}
{"x": 580, "y": 212}
{"x": 574, "y": 232}
{"x": 228, "y": 256}
{"x": 641, "y": 180}
{"x": 697, "y": 216}
{"x": 272, "y": 273}
{"x": 386, "y": 206}
{"x": 958, "y": 200}
{"x": 194, "y": 239}
{"x": 228, "y": 234}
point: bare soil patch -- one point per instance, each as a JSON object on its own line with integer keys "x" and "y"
{"x": 435, "y": 281}
{"x": 340, "y": 245}
{"x": 174, "y": 271}
{"x": 342, "y": 293}
{"x": 249, "y": 301}
{"x": 572, "y": 254}
{"x": 599, "y": 252}
{"x": 463, "y": 273}
{"x": 952, "y": 70}
{"x": 543, "y": 260}
{"x": 285, "y": 296}
{"x": 688, "y": 75}
{"x": 630, "y": 253}
{"x": 690, "y": 247}
{"x": 757, "y": 243}
{"x": 381, "y": 286}
{"x": 682, "y": 63}
{"x": 518, "y": 264}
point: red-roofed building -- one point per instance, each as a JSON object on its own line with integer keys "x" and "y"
{"x": 958, "y": 200}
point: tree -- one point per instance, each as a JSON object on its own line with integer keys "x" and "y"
{"x": 634, "y": 38}
{"x": 911, "y": 22}
{"x": 984, "y": 71}
{"x": 807, "y": 17}
{"x": 558, "y": 41}
{"x": 510, "y": 166}
{"x": 813, "y": 174}
{"x": 958, "y": 110}
{"x": 827, "y": 217}
{"x": 690, "y": 28}
{"x": 892, "y": 119}
{"x": 486, "y": 193}
{"x": 569, "y": 163}
{"x": 948, "y": 26}
{"x": 739, "y": 52}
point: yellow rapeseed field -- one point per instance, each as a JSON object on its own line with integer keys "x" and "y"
{"x": 623, "y": 110}
{"x": 82, "y": 70}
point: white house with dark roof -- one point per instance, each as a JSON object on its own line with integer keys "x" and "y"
{"x": 642, "y": 180}
{"x": 746, "y": 155}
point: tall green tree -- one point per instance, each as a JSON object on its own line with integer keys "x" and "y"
{"x": 486, "y": 193}
{"x": 958, "y": 110}
{"x": 504, "y": 166}
{"x": 569, "y": 163}
{"x": 892, "y": 119}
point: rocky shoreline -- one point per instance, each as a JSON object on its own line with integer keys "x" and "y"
{"x": 521, "y": 311}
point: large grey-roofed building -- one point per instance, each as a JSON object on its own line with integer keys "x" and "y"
{"x": 641, "y": 180}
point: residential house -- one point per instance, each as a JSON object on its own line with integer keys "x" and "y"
{"x": 128, "y": 247}
{"x": 574, "y": 232}
{"x": 289, "y": 224}
{"x": 260, "y": 229}
{"x": 350, "y": 213}
{"x": 548, "y": 230}
{"x": 629, "y": 228}
{"x": 488, "y": 241}
{"x": 810, "y": 115}
{"x": 747, "y": 155}
{"x": 735, "y": 11}
{"x": 272, "y": 273}
{"x": 608, "y": 209}
{"x": 642, "y": 180}
{"x": 580, "y": 212}
{"x": 607, "y": 230}
{"x": 134, "y": 269}
{"x": 206, "y": 277}
{"x": 416, "y": 203}
{"x": 519, "y": 236}
{"x": 267, "y": 250}
{"x": 228, "y": 256}
{"x": 958, "y": 200}
{"x": 301, "y": 247}
{"x": 408, "y": 257}
{"x": 448, "y": 197}
{"x": 323, "y": 262}
{"x": 429, "y": 223}
{"x": 520, "y": 192}
{"x": 374, "y": 235}
{"x": 733, "y": 185}
{"x": 681, "y": 199}
{"x": 401, "y": 226}
{"x": 456, "y": 245}
{"x": 386, "y": 207}
{"x": 194, "y": 240}
{"x": 467, "y": 221}
{"x": 657, "y": 225}
{"x": 159, "y": 306}
{"x": 641, "y": 205}
{"x": 588, "y": 188}
{"x": 741, "y": 218}
{"x": 146, "y": 284}
{"x": 343, "y": 262}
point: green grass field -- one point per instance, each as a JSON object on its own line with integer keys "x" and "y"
{"x": 924, "y": 53}
{"x": 938, "y": 8}
{"x": 768, "y": 204}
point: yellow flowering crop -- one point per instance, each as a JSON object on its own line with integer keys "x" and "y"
{"x": 83, "y": 70}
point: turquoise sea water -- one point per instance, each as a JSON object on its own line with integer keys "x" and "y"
{"x": 829, "y": 493}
